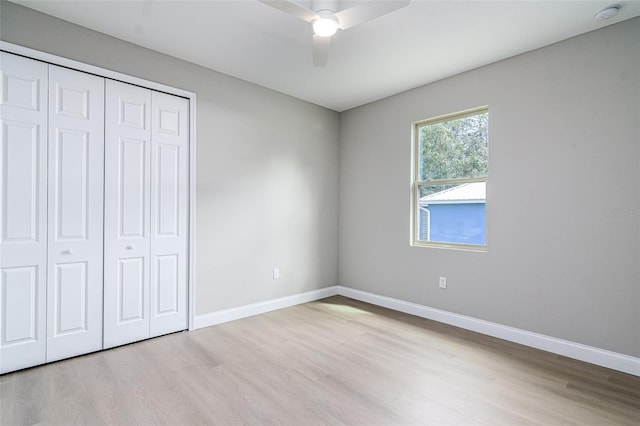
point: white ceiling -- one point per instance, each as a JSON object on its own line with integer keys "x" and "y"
{"x": 418, "y": 44}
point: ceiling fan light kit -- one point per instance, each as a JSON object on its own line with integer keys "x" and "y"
{"x": 326, "y": 19}
{"x": 326, "y": 24}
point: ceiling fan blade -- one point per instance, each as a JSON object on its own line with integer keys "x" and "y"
{"x": 292, "y": 9}
{"x": 320, "y": 50}
{"x": 367, "y": 11}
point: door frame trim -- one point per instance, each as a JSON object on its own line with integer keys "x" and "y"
{"x": 191, "y": 96}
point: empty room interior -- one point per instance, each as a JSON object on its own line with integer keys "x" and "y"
{"x": 215, "y": 213}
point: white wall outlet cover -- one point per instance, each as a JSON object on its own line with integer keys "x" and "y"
{"x": 442, "y": 282}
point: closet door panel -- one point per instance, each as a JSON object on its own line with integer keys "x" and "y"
{"x": 169, "y": 213}
{"x": 127, "y": 224}
{"x": 76, "y": 173}
{"x": 131, "y": 294}
{"x": 133, "y": 188}
{"x": 23, "y": 220}
{"x": 23, "y": 151}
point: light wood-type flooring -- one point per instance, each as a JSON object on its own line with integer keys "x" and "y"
{"x": 331, "y": 362}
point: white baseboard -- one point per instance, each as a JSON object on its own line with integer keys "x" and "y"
{"x": 232, "y": 314}
{"x": 597, "y": 356}
{"x": 601, "y": 357}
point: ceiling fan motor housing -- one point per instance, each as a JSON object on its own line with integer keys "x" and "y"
{"x": 322, "y": 5}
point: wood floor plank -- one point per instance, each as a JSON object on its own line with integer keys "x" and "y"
{"x": 335, "y": 361}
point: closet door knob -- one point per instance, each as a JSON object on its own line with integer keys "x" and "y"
{"x": 67, "y": 251}
{"x": 129, "y": 247}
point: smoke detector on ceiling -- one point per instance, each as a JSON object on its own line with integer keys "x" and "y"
{"x": 607, "y": 13}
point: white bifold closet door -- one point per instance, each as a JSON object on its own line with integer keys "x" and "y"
{"x": 52, "y": 170}
{"x": 23, "y": 213}
{"x": 146, "y": 195}
{"x": 75, "y": 213}
{"x": 169, "y": 210}
{"x": 127, "y": 225}
{"x": 93, "y": 212}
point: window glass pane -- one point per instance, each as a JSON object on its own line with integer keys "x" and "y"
{"x": 452, "y": 213}
{"x": 456, "y": 148}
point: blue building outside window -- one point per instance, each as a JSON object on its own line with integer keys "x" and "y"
{"x": 455, "y": 215}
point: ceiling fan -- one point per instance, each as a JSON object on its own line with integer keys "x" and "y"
{"x": 326, "y": 19}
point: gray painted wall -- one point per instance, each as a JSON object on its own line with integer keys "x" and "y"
{"x": 564, "y": 154}
{"x": 267, "y": 167}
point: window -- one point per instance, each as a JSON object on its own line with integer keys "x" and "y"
{"x": 451, "y": 159}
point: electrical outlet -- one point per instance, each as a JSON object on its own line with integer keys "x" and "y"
{"x": 276, "y": 273}
{"x": 442, "y": 283}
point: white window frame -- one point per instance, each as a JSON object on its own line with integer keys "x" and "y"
{"x": 416, "y": 183}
